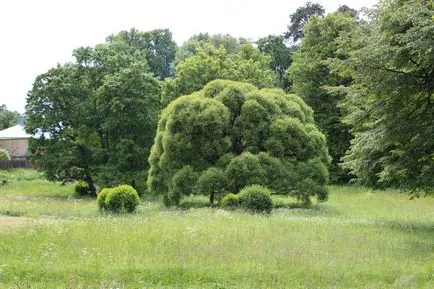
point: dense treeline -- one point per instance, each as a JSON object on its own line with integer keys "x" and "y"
{"x": 368, "y": 80}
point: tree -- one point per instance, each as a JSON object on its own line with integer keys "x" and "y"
{"x": 311, "y": 76}
{"x": 346, "y": 9}
{"x": 232, "y": 134}
{"x": 210, "y": 63}
{"x": 390, "y": 104}
{"x": 100, "y": 113}
{"x": 199, "y": 41}
{"x": 157, "y": 45}
{"x": 7, "y": 118}
{"x": 281, "y": 58}
{"x": 300, "y": 17}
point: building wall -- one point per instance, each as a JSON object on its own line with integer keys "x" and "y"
{"x": 17, "y": 148}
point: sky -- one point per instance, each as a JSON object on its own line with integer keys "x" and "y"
{"x": 36, "y": 35}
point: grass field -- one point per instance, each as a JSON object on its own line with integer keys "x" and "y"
{"x": 358, "y": 239}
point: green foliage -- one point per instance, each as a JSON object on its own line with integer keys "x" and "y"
{"x": 312, "y": 76}
{"x": 256, "y": 199}
{"x": 101, "y": 198}
{"x": 210, "y": 63}
{"x": 199, "y": 41}
{"x": 230, "y": 135}
{"x": 244, "y": 170}
{"x": 183, "y": 183}
{"x": 230, "y": 201}
{"x": 81, "y": 189}
{"x": 212, "y": 182}
{"x": 390, "y": 105}
{"x": 157, "y": 45}
{"x": 7, "y": 118}
{"x": 4, "y": 155}
{"x": 100, "y": 113}
{"x": 121, "y": 199}
{"x": 281, "y": 58}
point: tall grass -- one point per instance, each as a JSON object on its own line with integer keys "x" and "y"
{"x": 356, "y": 240}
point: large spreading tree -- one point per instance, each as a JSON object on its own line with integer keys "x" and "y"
{"x": 99, "y": 114}
{"x": 391, "y": 103}
{"x": 233, "y": 134}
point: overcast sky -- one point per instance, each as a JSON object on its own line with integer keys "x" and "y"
{"x": 37, "y": 34}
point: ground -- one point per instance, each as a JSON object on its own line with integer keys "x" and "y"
{"x": 358, "y": 239}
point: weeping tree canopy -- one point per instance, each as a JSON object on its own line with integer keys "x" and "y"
{"x": 232, "y": 134}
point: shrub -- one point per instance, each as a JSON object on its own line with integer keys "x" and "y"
{"x": 81, "y": 189}
{"x": 256, "y": 198}
{"x": 121, "y": 199}
{"x": 102, "y": 195}
{"x": 4, "y": 155}
{"x": 230, "y": 201}
{"x": 212, "y": 182}
{"x": 182, "y": 185}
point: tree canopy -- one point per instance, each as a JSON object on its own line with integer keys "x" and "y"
{"x": 8, "y": 118}
{"x": 157, "y": 45}
{"x": 390, "y": 104}
{"x": 100, "y": 114}
{"x": 210, "y": 63}
{"x": 311, "y": 76}
{"x": 300, "y": 17}
{"x": 233, "y": 131}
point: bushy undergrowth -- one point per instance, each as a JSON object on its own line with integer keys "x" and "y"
{"x": 230, "y": 201}
{"x": 4, "y": 155}
{"x": 120, "y": 199}
{"x": 81, "y": 189}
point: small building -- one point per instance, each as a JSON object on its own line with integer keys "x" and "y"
{"x": 16, "y": 141}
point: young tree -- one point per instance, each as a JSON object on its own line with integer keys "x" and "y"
{"x": 231, "y": 132}
{"x": 391, "y": 102}
{"x": 311, "y": 75}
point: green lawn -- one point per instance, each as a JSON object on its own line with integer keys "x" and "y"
{"x": 49, "y": 239}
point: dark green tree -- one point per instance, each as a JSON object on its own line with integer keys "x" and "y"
{"x": 235, "y": 133}
{"x": 391, "y": 102}
{"x": 100, "y": 114}
{"x": 7, "y": 118}
{"x": 311, "y": 76}
{"x": 281, "y": 58}
{"x": 300, "y": 17}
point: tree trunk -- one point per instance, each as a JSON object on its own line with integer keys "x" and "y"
{"x": 211, "y": 200}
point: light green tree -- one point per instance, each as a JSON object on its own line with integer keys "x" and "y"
{"x": 236, "y": 133}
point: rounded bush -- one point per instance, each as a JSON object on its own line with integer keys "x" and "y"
{"x": 102, "y": 195}
{"x": 81, "y": 189}
{"x": 256, "y": 198}
{"x": 4, "y": 155}
{"x": 230, "y": 201}
{"x": 122, "y": 199}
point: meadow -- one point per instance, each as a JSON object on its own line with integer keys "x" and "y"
{"x": 358, "y": 239}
